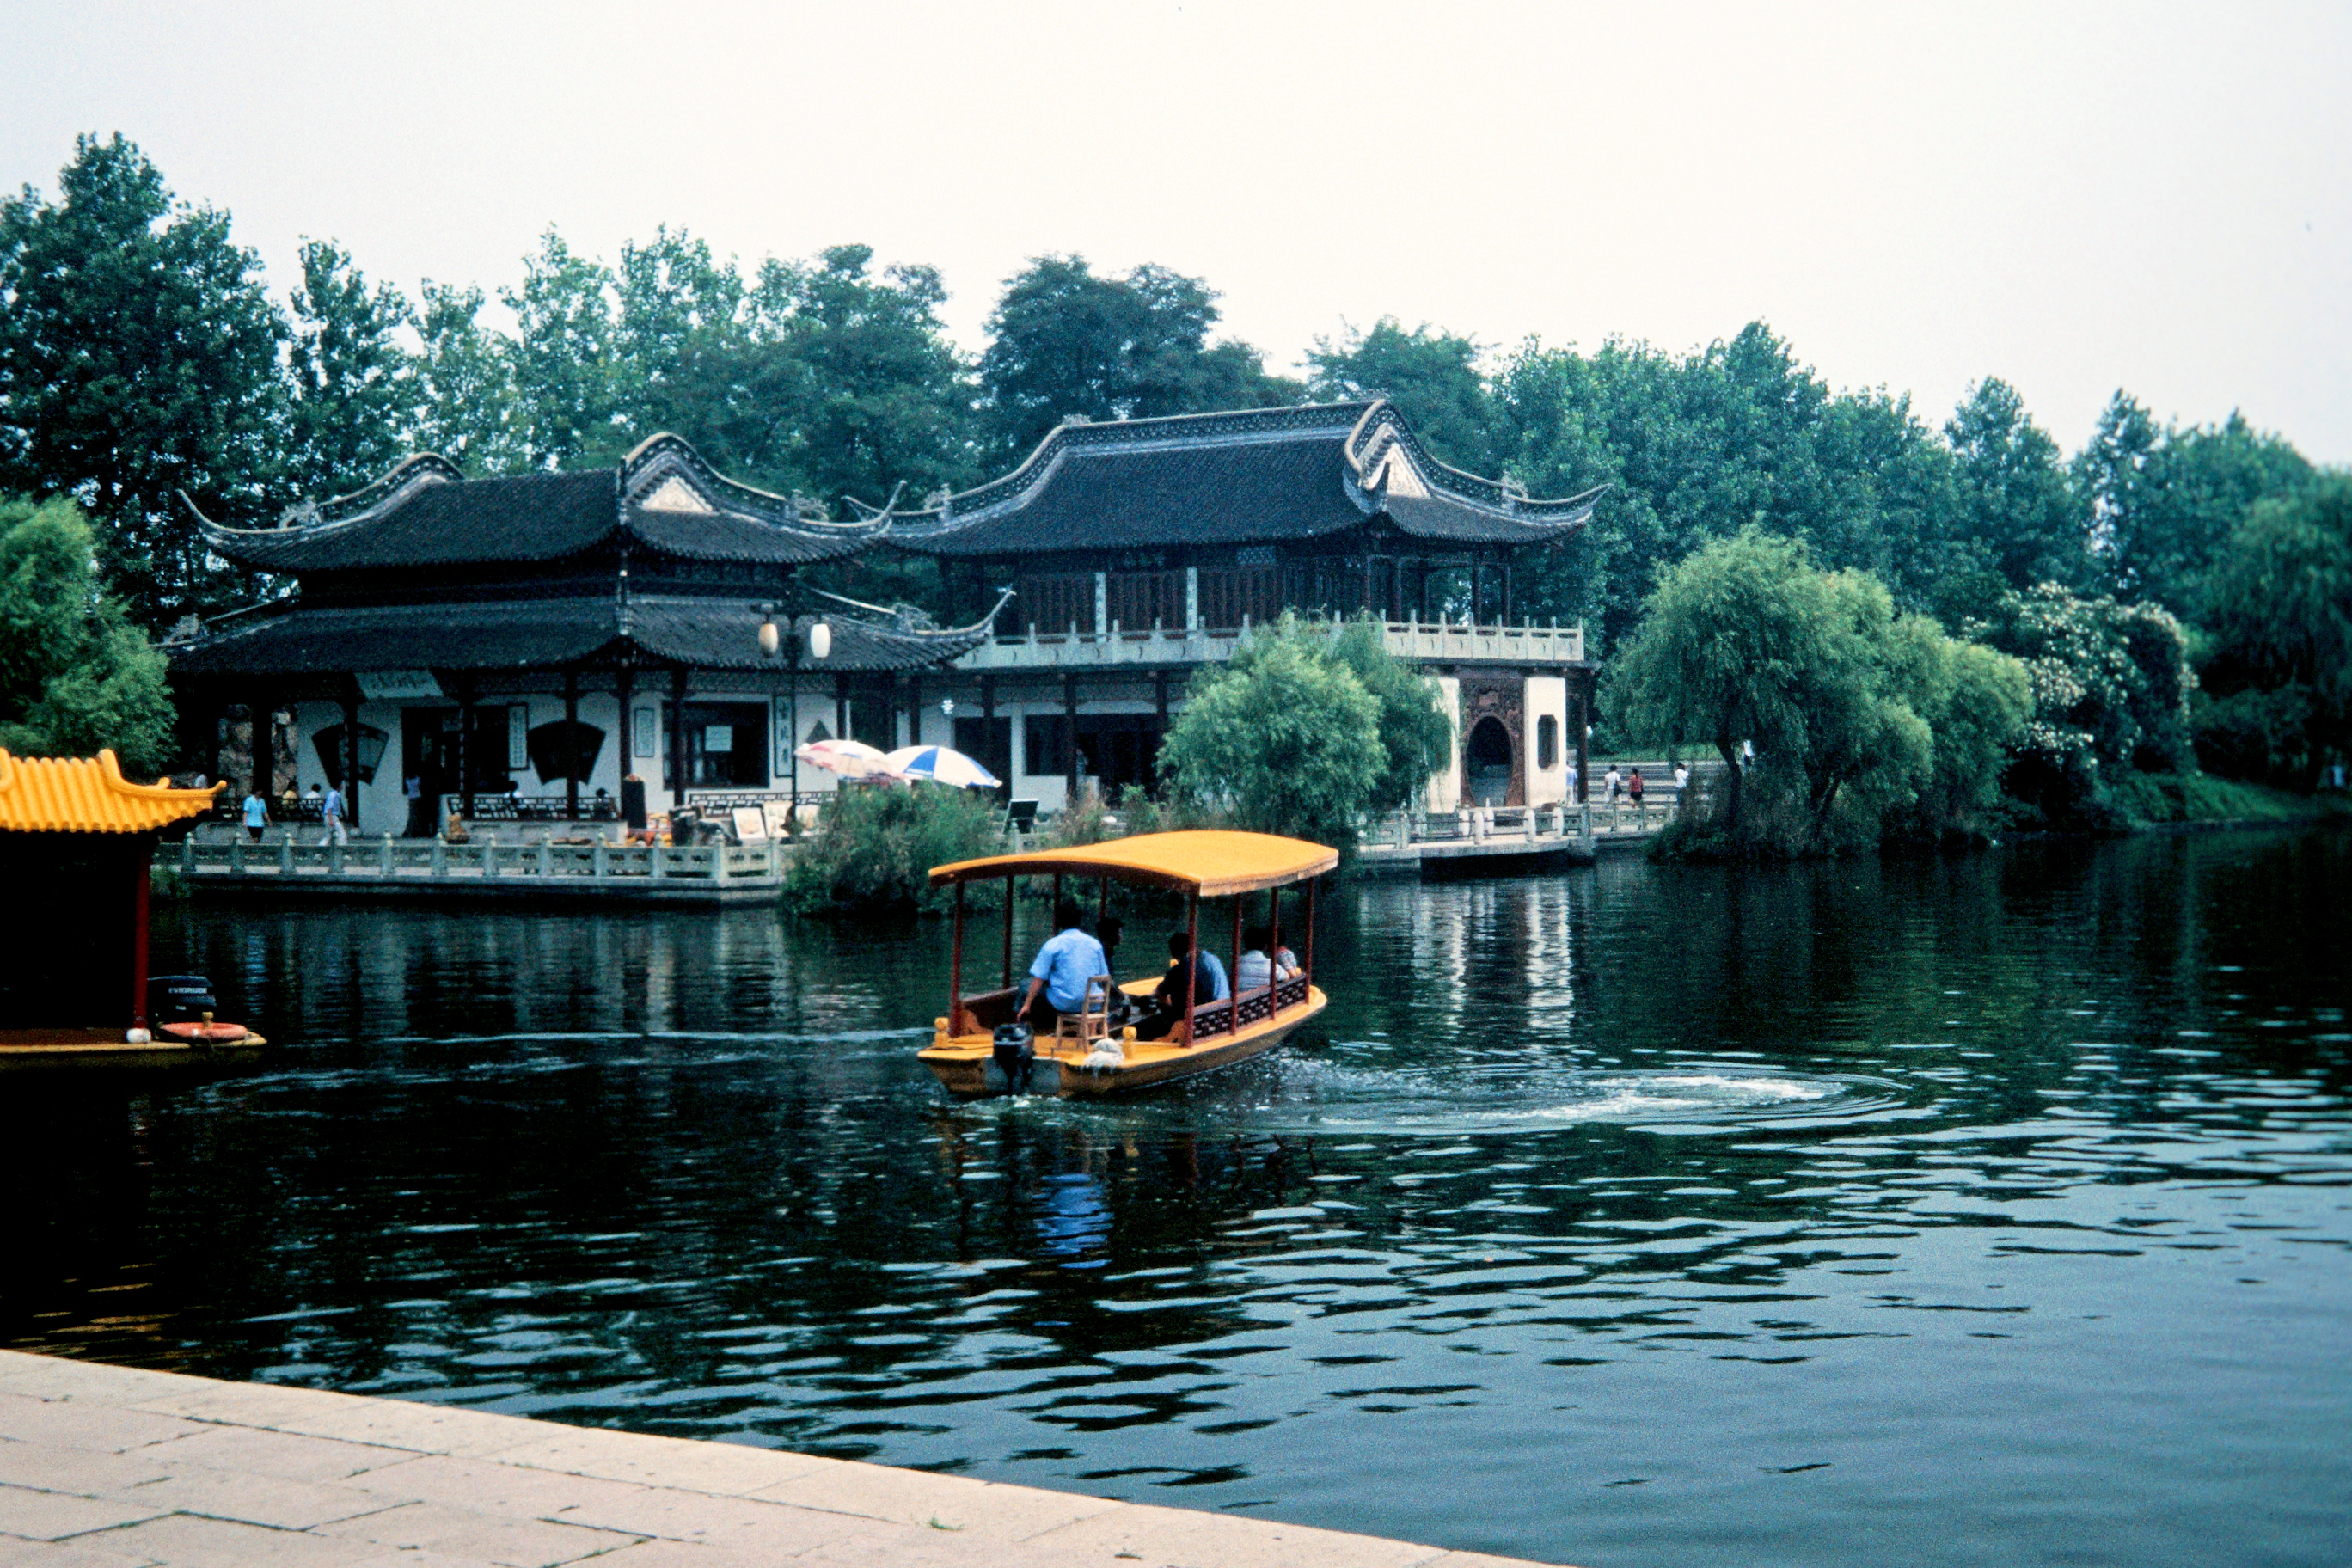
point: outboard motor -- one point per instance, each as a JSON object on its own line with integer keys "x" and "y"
{"x": 1014, "y": 1046}
{"x": 179, "y": 998}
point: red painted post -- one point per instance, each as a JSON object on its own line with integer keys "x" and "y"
{"x": 1272, "y": 947}
{"x": 139, "y": 861}
{"x": 955, "y": 970}
{"x": 1307, "y": 959}
{"x": 1191, "y": 963}
{"x": 1234, "y": 984}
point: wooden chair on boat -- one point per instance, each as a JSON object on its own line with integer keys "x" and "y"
{"x": 1091, "y": 1022}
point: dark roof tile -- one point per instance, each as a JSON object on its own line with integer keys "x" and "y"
{"x": 1256, "y": 475}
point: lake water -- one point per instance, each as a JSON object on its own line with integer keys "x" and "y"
{"x": 1986, "y": 1210}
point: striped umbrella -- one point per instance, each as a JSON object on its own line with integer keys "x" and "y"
{"x": 941, "y": 765}
{"x": 850, "y": 759}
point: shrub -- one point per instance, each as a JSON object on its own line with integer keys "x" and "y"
{"x": 874, "y": 848}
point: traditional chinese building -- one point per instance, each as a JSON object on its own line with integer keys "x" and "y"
{"x": 539, "y": 637}
{"x": 1141, "y": 549}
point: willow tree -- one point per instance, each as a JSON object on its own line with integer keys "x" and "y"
{"x": 1282, "y": 736}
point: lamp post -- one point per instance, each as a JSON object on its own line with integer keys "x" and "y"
{"x": 776, "y": 642}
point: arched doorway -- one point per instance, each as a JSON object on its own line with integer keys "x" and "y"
{"x": 1486, "y": 763}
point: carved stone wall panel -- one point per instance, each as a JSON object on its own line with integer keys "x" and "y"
{"x": 1503, "y": 697}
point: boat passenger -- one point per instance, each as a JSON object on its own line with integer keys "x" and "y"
{"x": 1068, "y": 960}
{"x": 1251, "y": 972}
{"x": 1178, "y": 986}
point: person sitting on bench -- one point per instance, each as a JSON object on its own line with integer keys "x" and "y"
{"x": 1185, "y": 979}
{"x": 1064, "y": 965}
{"x": 1251, "y": 972}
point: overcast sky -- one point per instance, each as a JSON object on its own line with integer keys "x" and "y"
{"x": 2072, "y": 197}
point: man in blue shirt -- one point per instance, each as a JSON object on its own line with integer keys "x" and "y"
{"x": 1064, "y": 966}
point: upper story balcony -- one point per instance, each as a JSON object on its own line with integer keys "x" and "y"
{"x": 1418, "y": 642}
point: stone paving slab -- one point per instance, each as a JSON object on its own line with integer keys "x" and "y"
{"x": 120, "y": 1467}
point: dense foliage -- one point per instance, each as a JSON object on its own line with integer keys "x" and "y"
{"x": 874, "y": 848}
{"x": 75, "y": 674}
{"x": 2276, "y": 688}
{"x": 1861, "y": 720}
{"x": 1303, "y": 730}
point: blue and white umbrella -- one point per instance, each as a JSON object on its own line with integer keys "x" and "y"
{"x": 942, "y": 764}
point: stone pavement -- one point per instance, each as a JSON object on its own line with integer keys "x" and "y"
{"x": 104, "y": 1466}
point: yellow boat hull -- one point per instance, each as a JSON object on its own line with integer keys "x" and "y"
{"x": 966, "y": 1066}
{"x": 24, "y": 1048}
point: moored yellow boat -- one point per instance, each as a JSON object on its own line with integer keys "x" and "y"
{"x": 1089, "y": 1056}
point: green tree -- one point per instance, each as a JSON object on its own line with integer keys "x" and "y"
{"x": 1696, "y": 445}
{"x": 354, "y": 403}
{"x": 470, "y": 409}
{"x": 2277, "y": 681}
{"x": 75, "y": 674}
{"x": 1747, "y": 642}
{"x": 2021, "y": 522}
{"x": 2110, "y": 686}
{"x": 2165, "y": 499}
{"x": 138, "y": 359}
{"x": 1065, "y": 342}
{"x": 1432, "y": 377}
{"x": 1286, "y": 734}
{"x": 1415, "y": 732}
{"x": 567, "y": 373}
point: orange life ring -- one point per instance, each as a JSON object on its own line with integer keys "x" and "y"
{"x": 206, "y": 1034}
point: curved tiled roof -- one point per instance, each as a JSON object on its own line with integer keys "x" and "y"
{"x": 701, "y": 632}
{"x": 1253, "y": 476}
{"x": 88, "y": 795}
{"x": 426, "y": 513}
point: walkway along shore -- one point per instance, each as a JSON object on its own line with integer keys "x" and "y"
{"x": 105, "y": 1467}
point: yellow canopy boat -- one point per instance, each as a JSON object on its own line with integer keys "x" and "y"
{"x": 75, "y": 840}
{"x": 973, "y": 1052}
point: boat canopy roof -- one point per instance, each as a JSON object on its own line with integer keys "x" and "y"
{"x": 1207, "y": 864}
{"x": 90, "y": 795}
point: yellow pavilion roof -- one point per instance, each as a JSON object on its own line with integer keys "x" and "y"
{"x": 1209, "y": 864}
{"x": 88, "y": 795}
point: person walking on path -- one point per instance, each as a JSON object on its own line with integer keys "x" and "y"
{"x": 1633, "y": 788}
{"x": 257, "y": 813}
{"x": 1614, "y": 780}
{"x": 331, "y": 817}
{"x": 1682, "y": 779}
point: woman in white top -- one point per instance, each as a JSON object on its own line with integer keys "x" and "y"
{"x": 1250, "y": 974}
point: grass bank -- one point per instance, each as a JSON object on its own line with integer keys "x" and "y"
{"x": 2158, "y": 800}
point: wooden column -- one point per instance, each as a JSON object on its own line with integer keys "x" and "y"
{"x": 464, "y": 747}
{"x": 350, "y": 750}
{"x": 572, "y": 744}
{"x": 624, "y": 690}
{"x": 1583, "y": 771}
{"x": 678, "y": 737}
{"x": 1002, "y": 766}
{"x": 914, "y": 710}
{"x": 1070, "y": 735}
{"x": 263, "y": 749}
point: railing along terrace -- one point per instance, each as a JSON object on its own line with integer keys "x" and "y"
{"x": 1454, "y": 641}
{"x": 427, "y": 859}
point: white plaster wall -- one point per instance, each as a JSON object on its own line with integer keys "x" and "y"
{"x": 381, "y": 806}
{"x": 1547, "y": 697}
{"x": 1445, "y": 787}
